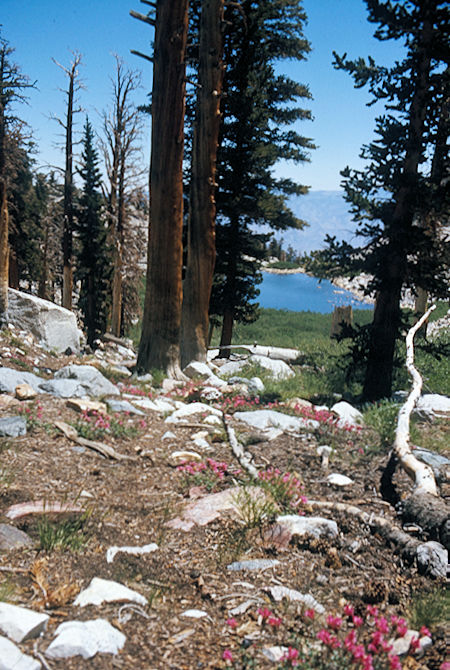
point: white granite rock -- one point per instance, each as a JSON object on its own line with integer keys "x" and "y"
{"x": 53, "y": 326}
{"x": 85, "y": 639}
{"x": 433, "y": 404}
{"x": 264, "y": 419}
{"x": 20, "y": 623}
{"x": 348, "y": 415}
{"x": 191, "y": 409}
{"x": 278, "y": 369}
{"x": 253, "y": 564}
{"x": 199, "y": 370}
{"x": 308, "y": 525}
{"x": 11, "y": 658}
{"x": 104, "y": 590}
{"x": 339, "y": 480}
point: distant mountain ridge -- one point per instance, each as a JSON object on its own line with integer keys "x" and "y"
{"x": 326, "y": 212}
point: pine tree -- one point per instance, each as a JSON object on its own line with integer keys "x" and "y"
{"x": 397, "y": 190}
{"x": 12, "y": 85}
{"x": 93, "y": 259}
{"x": 259, "y": 108}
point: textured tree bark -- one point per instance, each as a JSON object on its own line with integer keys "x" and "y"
{"x": 202, "y": 211}
{"x": 159, "y": 346}
{"x": 4, "y": 250}
{"x": 116, "y": 311}
{"x": 386, "y": 320}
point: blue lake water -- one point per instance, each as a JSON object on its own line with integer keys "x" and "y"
{"x": 301, "y": 293}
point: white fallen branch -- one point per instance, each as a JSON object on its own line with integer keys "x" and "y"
{"x": 244, "y": 458}
{"x": 104, "y": 449}
{"x": 421, "y": 473}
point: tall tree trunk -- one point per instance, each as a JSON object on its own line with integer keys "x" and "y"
{"x": 43, "y": 279}
{"x": 202, "y": 211}
{"x": 386, "y": 320}
{"x": 227, "y": 333}
{"x": 159, "y": 346}
{"x": 116, "y": 312}
{"x": 67, "y": 287}
{"x": 13, "y": 270}
{"x": 4, "y": 249}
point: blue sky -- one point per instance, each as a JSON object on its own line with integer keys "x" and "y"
{"x": 40, "y": 30}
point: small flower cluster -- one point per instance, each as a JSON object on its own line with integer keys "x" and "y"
{"x": 354, "y": 640}
{"x": 267, "y": 617}
{"x": 94, "y": 425}
{"x": 342, "y": 641}
{"x": 286, "y": 488}
{"x": 134, "y": 390}
{"x": 207, "y": 473}
{"x": 33, "y": 415}
{"x": 238, "y": 402}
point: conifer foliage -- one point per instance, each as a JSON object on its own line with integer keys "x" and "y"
{"x": 93, "y": 259}
{"x": 260, "y": 106}
{"x": 400, "y": 199}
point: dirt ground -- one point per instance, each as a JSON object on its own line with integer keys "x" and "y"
{"x": 130, "y": 502}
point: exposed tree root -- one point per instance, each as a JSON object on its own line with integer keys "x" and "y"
{"x": 428, "y": 560}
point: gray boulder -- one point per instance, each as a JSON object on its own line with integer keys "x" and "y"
{"x": 13, "y": 538}
{"x": 13, "y": 426}
{"x": 10, "y": 379}
{"x": 54, "y": 327}
{"x": 79, "y": 380}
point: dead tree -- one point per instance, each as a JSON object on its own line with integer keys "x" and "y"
{"x": 121, "y": 131}
{"x": 160, "y": 340}
{"x": 74, "y": 85}
{"x": 202, "y": 211}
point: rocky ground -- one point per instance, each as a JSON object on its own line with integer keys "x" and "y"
{"x": 226, "y": 581}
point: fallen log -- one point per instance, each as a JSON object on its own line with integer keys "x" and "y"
{"x": 430, "y": 557}
{"x": 102, "y": 448}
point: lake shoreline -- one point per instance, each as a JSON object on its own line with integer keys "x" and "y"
{"x": 354, "y": 286}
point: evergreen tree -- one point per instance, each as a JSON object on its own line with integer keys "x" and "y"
{"x": 259, "y": 108}
{"x": 398, "y": 200}
{"x": 93, "y": 259}
{"x": 27, "y": 205}
{"x": 12, "y": 85}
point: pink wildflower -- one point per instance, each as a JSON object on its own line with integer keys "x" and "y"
{"x": 334, "y": 622}
{"x": 394, "y": 663}
{"x": 414, "y": 644}
{"x": 357, "y": 621}
{"x": 232, "y": 623}
{"x": 274, "y": 621}
{"x": 324, "y": 636}
{"x": 382, "y": 625}
{"x": 424, "y": 631}
{"x": 227, "y": 656}
{"x": 264, "y": 612}
{"x": 309, "y": 614}
{"x": 348, "y": 610}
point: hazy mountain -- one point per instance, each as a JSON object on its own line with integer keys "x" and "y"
{"x": 326, "y": 212}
